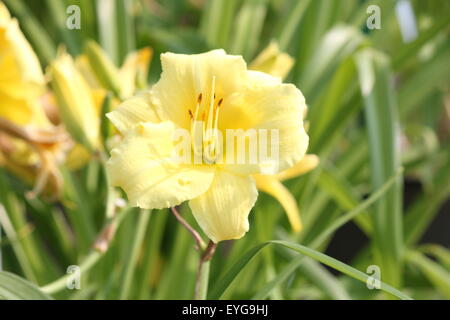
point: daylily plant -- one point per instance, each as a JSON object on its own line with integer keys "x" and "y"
{"x": 204, "y": 93}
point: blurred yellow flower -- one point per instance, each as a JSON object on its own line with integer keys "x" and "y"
{"x": 30, "y": 145}
{"x": 21, "y": 80}
{"x": 209, "y": 94}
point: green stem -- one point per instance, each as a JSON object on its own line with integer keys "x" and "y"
{"x": 201, "y": 285}
{"x": 143, "y": 220}
{"x": 61, "y": 283}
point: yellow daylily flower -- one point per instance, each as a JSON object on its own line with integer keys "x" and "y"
{"x": 276, "y": 63}
{"x": 205, "y": 95}
{"x": 21, "y": 79}
{"x": 30, "y": 145}
{"x": 272, "y": 61}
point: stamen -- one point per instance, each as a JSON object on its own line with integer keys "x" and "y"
{"x": 211, "y": 107}
{"x": 216, "y": 124}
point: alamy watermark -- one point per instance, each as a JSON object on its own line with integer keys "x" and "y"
{"x": 232, "y": 147}
{"x": 73, "y": 21}
{"x": 74, "y": 277}
{"x": 374, "y": 280}
{"x": 374, "y": 20}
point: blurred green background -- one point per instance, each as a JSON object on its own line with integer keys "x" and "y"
{"x": 376, "y": 103}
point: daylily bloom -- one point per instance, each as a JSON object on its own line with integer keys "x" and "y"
{"x": 21, "y": 79}
{"x": 209, "y": 94}
{"x": 276, "y": 63}
{"x": 29, "y": 143}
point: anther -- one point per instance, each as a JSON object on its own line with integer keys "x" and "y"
{"x": 191, "y": 114}
{"x": 199, "y": 99}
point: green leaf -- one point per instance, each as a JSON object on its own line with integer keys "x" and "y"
{"x": 340, "y": 190}
{"x": 422, "y": 211}
{"x": 292, "y": 23}
{"x": 382, "y": 129}
{"x": 335, "y": 46}
{"x": 437, "y": 275}
{"x": 323, "y": 258}
{"x": 125, "y": 28}
{"x": 413, "y": 48}
{"x": 217, "y": 20}
{"x": 423, "y": 82}
{"x": 442, "y": 254}
{"x": 57, "y": 10}
{"x": 314, "y": 272}
{"x": 106, "y": 127}
{"x": 13, "y": 287}
{"x": 248, "y": 28}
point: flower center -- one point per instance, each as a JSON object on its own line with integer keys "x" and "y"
{"x": 207, "y": 140}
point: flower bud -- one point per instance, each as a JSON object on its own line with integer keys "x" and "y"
{"x": 104, "y": 69}
{"x": 272, "y": 61}
{"x": 75, "y": 101}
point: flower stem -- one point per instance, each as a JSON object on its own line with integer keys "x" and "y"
{"x": 200, "y": 245}
{"x": 206, "y": 254}
{"x": 201, "y": 285}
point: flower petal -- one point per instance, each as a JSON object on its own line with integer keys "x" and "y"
{"x": 21, "y": 74}
{"x": 133, "y": 111}
{"x": 134, "y": 69}
{"x": 309, "y": 162}
{"x": 143, "y": 166}
{"x": 223, "y": 210}
{"x": 268, "y": 104}
{"x": 184, "y": 77}
{"x": 276, "y": 189}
